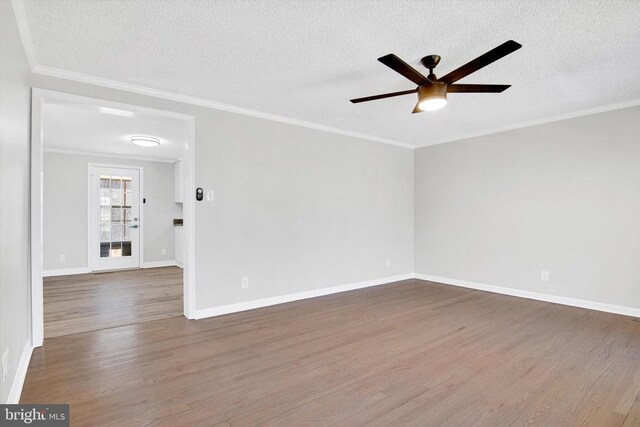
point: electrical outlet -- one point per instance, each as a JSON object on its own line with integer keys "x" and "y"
{"x": 63, "y": 258}
{"x": 544, "y": 276}
{"x": 245, "y": 282}
{"x": 5, "y": 365}
{"x": 388, "y": 263}
{"x": 163, "y": 251}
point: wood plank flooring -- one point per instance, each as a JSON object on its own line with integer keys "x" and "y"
{"x": 88, "y": 302}
{"x": 410, "y": 353}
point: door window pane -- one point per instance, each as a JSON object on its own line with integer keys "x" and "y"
{"x": 105, "y": 247}
{"x": 105, "y": 213}
{"x": 116, "y": 233}
{"x": 116, "y": 249}
{"x": 116, "y": 214}
{"x": 105, "y": 233}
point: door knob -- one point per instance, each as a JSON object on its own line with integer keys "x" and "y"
{"x": 134, "y": 226}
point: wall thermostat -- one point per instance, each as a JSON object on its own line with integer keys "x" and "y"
{"x": 199, "y": 194}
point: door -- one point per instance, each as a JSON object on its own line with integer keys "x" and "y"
{"x": 114, "y": 217}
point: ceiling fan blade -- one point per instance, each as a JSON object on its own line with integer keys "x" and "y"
{"x": 482, "y": 61}
{"x": 384, "y": 95}
{"x": 477, "y": 88}
{"x": 399, "y": 66}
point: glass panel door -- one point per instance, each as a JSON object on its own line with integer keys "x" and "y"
{"x": 116, "y": 220}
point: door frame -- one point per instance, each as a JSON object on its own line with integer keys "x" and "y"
{"x": 38, "y": 98}
{"x": 90, "y": 230}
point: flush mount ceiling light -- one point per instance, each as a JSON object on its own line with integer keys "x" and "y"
{"x": 145, "y": 141}
{"x": 432, "y": 91}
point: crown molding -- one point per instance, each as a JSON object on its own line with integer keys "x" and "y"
{"x": 551, "y": 119}
{"x": 109, "y": 155}
{"x": 25, "y": 33}
{"x": 192, "y": 100}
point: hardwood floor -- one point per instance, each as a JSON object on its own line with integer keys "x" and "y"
{"x": 409, "y": 353}
{"x": 88, "y": 302}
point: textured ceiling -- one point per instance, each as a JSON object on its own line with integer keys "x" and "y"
{"x": 305, "y": 59}
{"x": 81, "y": 127}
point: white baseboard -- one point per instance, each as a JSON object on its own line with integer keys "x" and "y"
{"x": 265, "y": 302}
{"x": 179, "y": 264}
{"x": 85, "y": 270}
{"x": 21, "y": 374}
{"x": 65, "y": 272}
{"x": 574, "y": 302}
{"x": 155, "y": 264}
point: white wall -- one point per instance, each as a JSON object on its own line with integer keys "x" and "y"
{"x": 562, "y": 197}
{"x": 15, "y": 118}
{"x": 295, "y": 209}
{"x": 65, "y": 208}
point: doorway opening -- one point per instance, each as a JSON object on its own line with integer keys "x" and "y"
{"x": 112, "y": 230}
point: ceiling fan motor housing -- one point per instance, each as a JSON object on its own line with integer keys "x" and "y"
{"x": 435, "y": 90}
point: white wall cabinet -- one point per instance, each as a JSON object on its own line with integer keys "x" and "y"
{"x": 179, "y": 181}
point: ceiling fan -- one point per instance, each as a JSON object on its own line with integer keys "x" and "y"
{"x": 432, "y": 91}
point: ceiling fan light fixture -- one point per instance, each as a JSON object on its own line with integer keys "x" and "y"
{"x": 432, "y": 97}
{"x": 145, "y": 141}
{"x": 432, "y": 91}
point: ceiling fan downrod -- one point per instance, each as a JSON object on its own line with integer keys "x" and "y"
{"x": 430, "y": 62}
